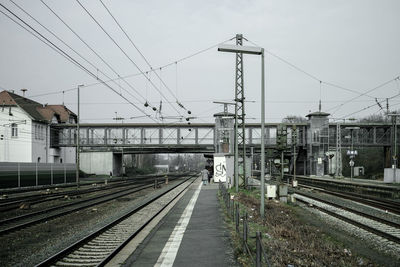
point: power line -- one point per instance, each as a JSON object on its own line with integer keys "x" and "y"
{"x": 373, "y": 89}
{"x": 91, "y": 49}
{"x": 307, "y": 73}
{"x": 335, "y": 85}
{"x": 368, "y": 107}
{"x": 123, "y": 51}
{"x": 139, "y": 73}
{"x": 76, "y": 52}
{"x": 141, "y": 54}
{"x": 62, "y": 52}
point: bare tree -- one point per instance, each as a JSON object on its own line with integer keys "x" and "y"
{"x": 294, "y": 119}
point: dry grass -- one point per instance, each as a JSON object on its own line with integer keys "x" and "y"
{"x": 287, "y": 239}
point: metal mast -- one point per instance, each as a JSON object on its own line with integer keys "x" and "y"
{"x": 240, "y": 112}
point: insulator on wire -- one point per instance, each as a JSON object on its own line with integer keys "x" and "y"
{"x": 154, "y": 108}
{"x": 146, "y": 104}
{"x": 189, "y": 112}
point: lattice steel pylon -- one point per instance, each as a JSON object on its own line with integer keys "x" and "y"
{"x": 240, "y": 112}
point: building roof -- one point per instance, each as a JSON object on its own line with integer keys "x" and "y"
{"x": 36, "y": 110}
{"x": 62, "y": 111}
{"x": 318, "y": 114}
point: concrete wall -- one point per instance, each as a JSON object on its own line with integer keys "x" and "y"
{"x": 100, "y": 163}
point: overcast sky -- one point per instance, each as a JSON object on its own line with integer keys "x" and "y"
{"x": 352, "y": 44}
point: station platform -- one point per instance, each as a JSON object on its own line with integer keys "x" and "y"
{"x": 191, "y": 234}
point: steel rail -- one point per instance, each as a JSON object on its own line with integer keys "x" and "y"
{"x": 374, "y": 202}
{"x": 369, "y": 216}
{"x": 95, "y": 201}
{"x": 63, "y": 253}
{"x": 375, "y": 231}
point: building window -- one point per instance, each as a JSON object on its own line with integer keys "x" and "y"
{"x": 14, "y": 130}
{"x": 38, "y": 159}
{"x": 60, "y": 160}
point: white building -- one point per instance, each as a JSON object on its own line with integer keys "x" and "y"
{"x": 25, "y": 130}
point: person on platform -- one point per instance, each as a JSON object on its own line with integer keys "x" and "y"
{"x": 204, "y": 176}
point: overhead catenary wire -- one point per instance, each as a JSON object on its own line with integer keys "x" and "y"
{"x": 138, "y": 50}
{"x": 314, "y": 77}
{"x": 124, "y": 52}
{"x": 337, "y": 107}
{"x": 76, "y": 52}
{"x": 149, "y": 71}
{"x": 91, "y": 49}
{"x": 373, "y": 89}
{"x": 62, "y": 52}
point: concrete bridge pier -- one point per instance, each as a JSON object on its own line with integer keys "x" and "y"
{"x": 101, "y": 163}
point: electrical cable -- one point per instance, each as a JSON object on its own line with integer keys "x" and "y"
{"x": 62, "y": 52}
{"x": 91, "y": 49}
{"x": 308, "y": 74}
{"x": 123, "y": 51}
{"x": 137, "y": 74}
{"x": 137, "y": 49}
{"x": 76, "y": 52}
{"x": 373, "y": 89}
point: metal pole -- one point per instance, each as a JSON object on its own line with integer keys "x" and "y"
{"x": 236, "y": 168}
{"x": 252, "y": 157}
{"x": 258, "y": 249}
{"x": 19, "y": 175}
{"x": 282, "y": 166}
{"x": 337, "y": 151}
{"x": 36, "y": 174}
{"x": 262, "y": 134}
{"x": 394, "y": 156}
{"x": 51, "y": 173}
{"x": 77, "y": 139}
{"x": 352, "y": 156}
{"x": 294, "y": 164}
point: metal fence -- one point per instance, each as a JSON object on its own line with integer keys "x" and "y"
{"x": 15, "y": 174}
{"x": 259, "y": 256}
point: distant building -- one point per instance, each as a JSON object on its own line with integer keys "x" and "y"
{"x": 25, "y": 130}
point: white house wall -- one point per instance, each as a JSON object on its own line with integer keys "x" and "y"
{"x": 32, "y": 142}
{"x": 67, "y": 154}
{"x": 40, "y": 139}
{"x": 15, "y": 149}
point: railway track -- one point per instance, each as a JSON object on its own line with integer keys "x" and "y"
{"x": 15, "y": 202}
{"x": 23, "y": 221}
{"x": 383, "y": 204}
{"x": 98, "y": 248}
{"x": 378, "y": 226}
